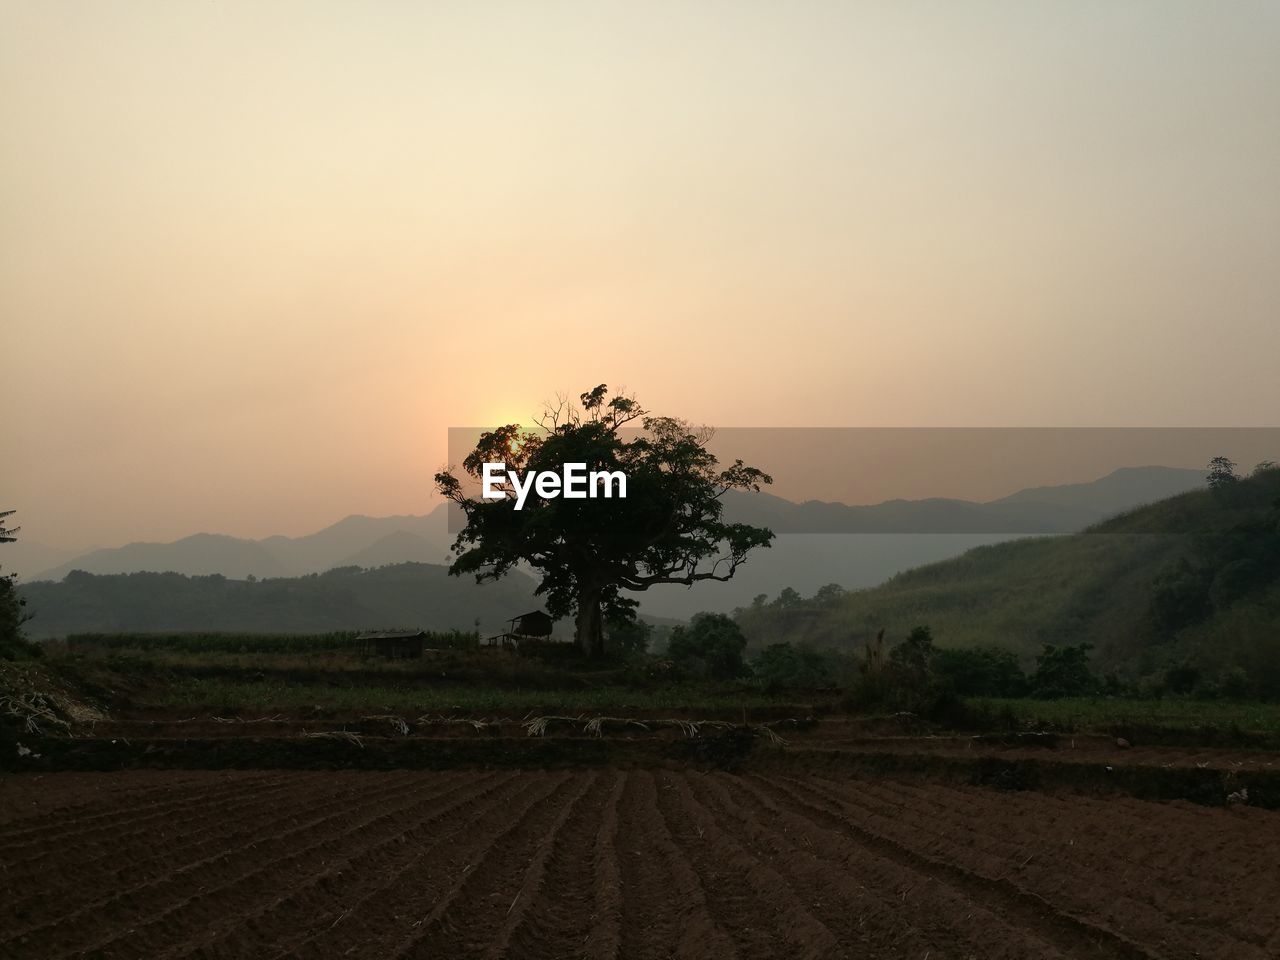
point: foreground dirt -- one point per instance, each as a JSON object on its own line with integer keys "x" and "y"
{"x": 619, "y": 864}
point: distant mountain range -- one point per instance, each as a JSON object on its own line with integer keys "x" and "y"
{"x": 878, "y": 541}
{"x": 355, "y": 541}
{"x": 1061, "y": 509}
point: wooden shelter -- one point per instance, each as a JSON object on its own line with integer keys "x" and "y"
{"x": 405, "y": 645}
{"x": 535, "y": 625}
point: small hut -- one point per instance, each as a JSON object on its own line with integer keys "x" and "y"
{"x": 405, "y": 645}
{"x": 534, "y": 625}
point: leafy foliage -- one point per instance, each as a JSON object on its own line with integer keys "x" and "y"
{"x": 712, "y": 646}
{"x": 630, "y": 636}
{"x": 588, "y": 552}
{"x": 13, "y": 645}
{"x": 1064, "y": 672}
{"x": 981, "y": 671}
{"x": 782, "y": 666}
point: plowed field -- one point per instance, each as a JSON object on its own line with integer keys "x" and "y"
{"x": 619, "y": 864}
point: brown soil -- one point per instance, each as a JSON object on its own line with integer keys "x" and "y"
{"x": 611, "y": 863}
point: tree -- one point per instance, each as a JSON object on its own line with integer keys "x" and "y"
{"x": 12, "y": 617}
{"x": 829, "y": 594}
{"x": 1064, "y": 672}
{"x": 1222, "y": 473}
{"x": 630, "y": 636}
{"x": 669, "y": 529}
{"x": 711, "y": 645}
{"x": 782, "y": 666}
{"x": 788, "y": 599}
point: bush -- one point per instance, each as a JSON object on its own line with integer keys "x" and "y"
{"x": 782, "y": 666}
{"x": 13, "y": 646}
{"x": 981, "y": 671}
{"x": 712, "y": 646}
{"x": 1181, "y": 678}
{"x": 625, "y": 637}
{"x": 1064, "y": 672}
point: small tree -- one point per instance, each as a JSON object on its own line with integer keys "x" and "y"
{"x": 629, "y": 636}
{"x": 12, "y": 617}
{"x": 711, "y": 645}
{"x": 1222, "y": 473}
{"x": 1064, "y": 672}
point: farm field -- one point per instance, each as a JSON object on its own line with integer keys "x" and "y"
{"x": 636, "y": 863}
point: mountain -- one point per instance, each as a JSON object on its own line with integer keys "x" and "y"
{"x": 876, "y": 541}
{"x": 198, "y": 555}
{"x": 399, "y": 546}
{"x": 861, "y": 546}
{"x": 408, "y": 595}
{"x": 336, "y": 545}
{"x": 276, "y": 556}
{"x": 1195, "y": 578}
{"x": 1061, "y": 509}
{"x": 25, "y": 557}
{"x": 1118, "y": 491}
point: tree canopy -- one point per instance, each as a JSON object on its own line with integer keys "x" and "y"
{"x": 669, "y": 529}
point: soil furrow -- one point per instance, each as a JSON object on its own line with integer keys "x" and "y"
{"x": 403, "y": 903}
{"x": 159, "y": 897}
{"x": 561, "y": 898}
{"x": 1068, "y": 933}
{"x": 758, "y": 907}
{"x": 878, "y": 904}
{"x": 86, "y": 865}
{"x": 134, "y": 871}
{"x": 664, "y": 906}
{"x": 16, "y": 846}
{"x": 270, "y": 923}
{"x": 1204, "y": 881}
{"x": 473, "y": 918}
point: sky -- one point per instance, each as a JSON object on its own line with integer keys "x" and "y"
{"x": 257, "y": 258}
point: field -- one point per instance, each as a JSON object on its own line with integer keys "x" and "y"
{"x": 619, "y": 863}
{"x": 233, "y": 801}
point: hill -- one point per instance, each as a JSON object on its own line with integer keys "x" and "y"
{"x": 1192, "y": 578}
{"x": 862, "y": 546}
{"x": 405, "y": 595}
{"x": 341, "y": 544}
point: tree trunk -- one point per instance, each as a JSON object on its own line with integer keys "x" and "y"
{"x": 590, "y": 625}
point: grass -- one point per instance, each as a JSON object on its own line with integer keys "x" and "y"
{"x": 229, "y": 644}
{"x": 1088, "y": 714}
{"x": 204, "y": 694}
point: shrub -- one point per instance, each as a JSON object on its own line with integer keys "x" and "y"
{"x": 711, "y": 646}
{"x": 780, "y": 666}
{"x": 1063, "y": 672}
{"x": 981, "y": 671}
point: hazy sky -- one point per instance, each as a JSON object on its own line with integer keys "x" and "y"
{"x": 256, "y": 257}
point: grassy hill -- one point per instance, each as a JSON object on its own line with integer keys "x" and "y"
{"x": 1193, "y": 578}
{"x": 404, "y": 595}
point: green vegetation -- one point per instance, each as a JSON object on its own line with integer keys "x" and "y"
{"x": 234, "y": 643}
{"x": 711, "y": 647}
{"x": 214, "y": 695}
{"x": 13, "y": 642}
{"x": 591, "y": 551}
{"x": 1192, "y": 580}
{"x": 1105, "y": 714}
{"x": 348, "y": 598}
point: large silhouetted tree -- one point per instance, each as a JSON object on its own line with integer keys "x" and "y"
{"x": 668, "y": 529}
